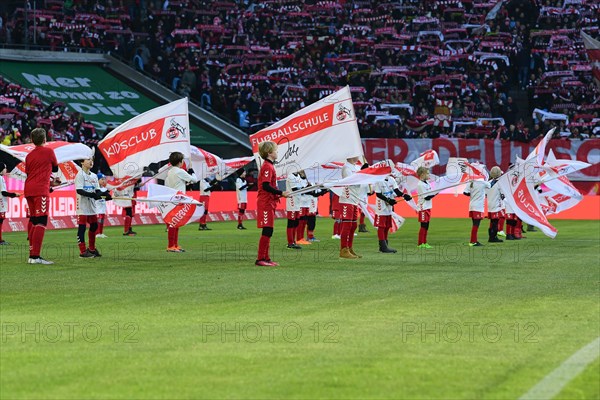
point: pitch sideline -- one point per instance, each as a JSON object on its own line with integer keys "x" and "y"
{"x": 555, "y": 381}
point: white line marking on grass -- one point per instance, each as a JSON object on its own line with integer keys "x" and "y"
{"x": 556, "y": 380}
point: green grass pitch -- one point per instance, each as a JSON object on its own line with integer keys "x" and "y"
{"x": 452, "y": 322}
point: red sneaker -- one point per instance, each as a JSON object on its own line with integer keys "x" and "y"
{"x": 272, "y": 263}
{"x": 262, "y": 263}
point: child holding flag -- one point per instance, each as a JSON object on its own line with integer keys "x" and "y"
{"x": 4, "y": 200}
{"x": 266, "y": 201}
{"x": 476, "y": 191}
{"x": 101, "y": 206}
{"x": 127, "y": 206}
{"x": 335, "y": 214}
{"x": 177, "y": 179}
{"x": 424, "y": 206}
{"x": 292, "y": 207}
{"x": 386, "y": 191}
{"x": 349, "y": 199}
{"x": 495, "y": 206}
{"x": 88, "y": 192}
{"x": 511, "y": 223}
{"x": 206, "y": 187}
{"x": 241, "y": 190}
{"x": 304, "y": 200}
{"x": 313, "y": 208}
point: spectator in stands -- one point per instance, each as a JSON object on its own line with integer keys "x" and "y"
{"x": 156, "y": 71}
{"x": 205, "y": 100}
{"x": 184, "y": 90}
{"x": 138, "y": 61}
{"x": 243, "y": 117}
{"x": 509, "y": 111}
{"x": 257, "y": 56}
{"x": 189, "y": 78}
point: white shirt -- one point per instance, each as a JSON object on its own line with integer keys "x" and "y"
{"x": 304, "y": 198}
{"x": 125, "y": 192}
{"x": 292, "y": 203}
{"x": 205, "y": 184}
{"x": 101, "y": 204}
{"x": 423, "y": 187}
{"x": 386, "y": 188}
{"x": 477, "y": 199}
{"x": 3, "y": 200}
{"x": 495, "y": 203}
{"x": 242, "y": 194}
{"x": 177, "y": 178}
{"x": 354, "y": 193}
{"x": 313, "y": 205}
{"x": 89, "y": 183}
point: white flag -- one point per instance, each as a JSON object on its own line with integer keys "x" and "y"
{"x": 564, "y": 167}
{"x": 592, "y": 47}
{"x": 65, "y": 153}
{"x": 147, "y": 138}
{"x": 553, "y": 203}
{"x": 207, "y": 164}
{"x": 176, "y": 208}
{"x": 520, "y": 194}
{"x": 325, "y": 131}
{"x": 427, "y": 159}
{"x": 329, "y": 172}
{"x": 369, "y": 211}
{"x": 540, "y": 150}
{"x": 562, "y": 185}
{"x": 66, "y": 172}
{"x": 375, "y": 173}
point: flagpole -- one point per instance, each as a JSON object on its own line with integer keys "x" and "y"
{"x": 448, "y": 187}
{"x": 62, "y": 185}
{"x": 306, "y": 189}
{"x": 198, "y": 203}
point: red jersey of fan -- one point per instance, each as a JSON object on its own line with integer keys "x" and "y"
{"x": 38, "y": 166}
{"x": 267, "y": 174}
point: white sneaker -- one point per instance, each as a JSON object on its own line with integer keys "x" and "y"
{"x": 101, "y": 235}
{"x": 336, "y": 237}
{"x": 39, "y": 261}
{"x": 501, "y": 233}
{"x": 356, "y": 234}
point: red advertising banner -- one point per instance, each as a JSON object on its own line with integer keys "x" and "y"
{"x": 487, "y": 151}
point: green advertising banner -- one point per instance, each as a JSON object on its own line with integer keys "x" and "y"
{"x": 100, "y": 97}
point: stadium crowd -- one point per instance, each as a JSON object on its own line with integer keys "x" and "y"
{"x": 452, "y": 68}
